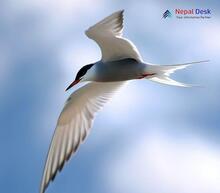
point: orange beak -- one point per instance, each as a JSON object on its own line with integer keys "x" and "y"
{"x": 72, "y": 84}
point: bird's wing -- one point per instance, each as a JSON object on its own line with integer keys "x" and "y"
{"x": 108, "y": 35}
{"x": 74, "y": 124}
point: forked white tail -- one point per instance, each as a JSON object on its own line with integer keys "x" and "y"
{"x": 162, "y": 73}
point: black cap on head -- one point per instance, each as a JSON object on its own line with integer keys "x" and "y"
{"x": 79, "y": 75}
{"x": 83, "y": 71}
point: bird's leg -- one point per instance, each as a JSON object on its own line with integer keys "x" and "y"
{"x": 145, "y": 75}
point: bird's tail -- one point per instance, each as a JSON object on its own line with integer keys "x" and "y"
{"x": 162, "y": 73}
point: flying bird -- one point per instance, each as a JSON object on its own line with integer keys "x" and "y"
{"x": 120, "y": 62}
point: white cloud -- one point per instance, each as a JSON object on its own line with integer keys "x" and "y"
{"x": 56, "y": 8}
{"x": 159, "y": 163}
{"x": 211, "y": 38}
{"x": 72, "y": 58}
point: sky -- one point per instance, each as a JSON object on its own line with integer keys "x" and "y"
{"x": 149, "y": 137}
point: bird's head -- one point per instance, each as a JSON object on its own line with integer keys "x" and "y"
{"x": 82, "y": 75}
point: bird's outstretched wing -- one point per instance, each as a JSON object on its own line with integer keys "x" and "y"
{"x": 74, "y": 124}
{"x": 108, "y": 35}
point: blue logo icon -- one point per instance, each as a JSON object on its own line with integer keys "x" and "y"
{"x": 166, "y": 14}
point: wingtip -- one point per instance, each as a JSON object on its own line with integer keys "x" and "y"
{"x": 43, "y": 186}
{"x": 121, "y": 11}
{"x": 42, "y": 189}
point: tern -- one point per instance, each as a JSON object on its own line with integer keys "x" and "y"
{"x": 120, "y": 62}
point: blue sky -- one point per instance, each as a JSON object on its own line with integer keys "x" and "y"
{"x": 149, "y": 138}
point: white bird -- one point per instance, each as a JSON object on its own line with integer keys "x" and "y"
{"x": 120, "y": 62}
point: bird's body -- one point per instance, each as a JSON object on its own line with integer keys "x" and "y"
{"x": 120, "y": 62}
{"x": 119, "y": 70}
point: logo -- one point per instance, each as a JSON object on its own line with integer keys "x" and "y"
{"x": 188, "y": 13}
{"x": 166, "y": 14}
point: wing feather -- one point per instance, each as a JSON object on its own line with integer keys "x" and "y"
{"x": 108, "y": 35}
{"x": 74, "y": 125}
